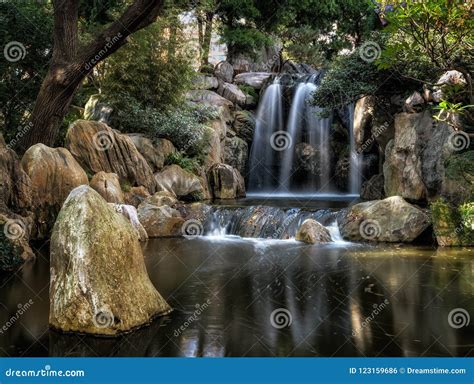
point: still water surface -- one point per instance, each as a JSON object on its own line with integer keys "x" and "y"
{"x": 251, "y": 297}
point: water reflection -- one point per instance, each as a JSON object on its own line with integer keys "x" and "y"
{"x": 225, "y": 291}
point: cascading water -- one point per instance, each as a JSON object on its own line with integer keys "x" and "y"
{"x": 355, "y": 172}
{"x": 263, "y": 162}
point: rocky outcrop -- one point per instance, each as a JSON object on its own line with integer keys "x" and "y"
{"x": 236, "y": 153}
{"x": 255, "y": 80}
{"x": 232, "y": 93}
{"x": 181, "y": 183}
{"x": 54, "y": 173}
{"x": 389, "y": 220}
{"x": 414, "y": 159}
{"x": 312, "y": 232}
{"x": 108, "y": 186}
{"x": 224, "y": 71}
{"x": 244, "y": 125}
{"x": 131, "y": 214}
{"x": 162, "y": 198}
{"x": 373, "y": 188}
{"x": 363, "y": 117}
{"x": 99, "y": 148}
{"x": 202, "y": 81}
{"x": 160, "y": 221}
{"x": 99, "y": 284}
{"x": 155, "y": 153}
{"x": 226, "y": 182}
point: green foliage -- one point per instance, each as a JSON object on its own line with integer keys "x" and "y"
{"x": 248, "y": 90}
{"x": 467, "y": 215}
{"x": 187, "y": 163}
{"x": 449, "y": 112}
{"x": 27, "y": 27}
{"x": 460, "y": 167}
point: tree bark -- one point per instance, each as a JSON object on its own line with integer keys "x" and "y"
{"x": 72, "y": 63}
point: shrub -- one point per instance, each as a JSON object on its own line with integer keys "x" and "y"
{"x": 187, "y": 163}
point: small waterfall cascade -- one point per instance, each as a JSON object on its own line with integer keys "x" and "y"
{"x": 263, "y": 162}
{"x": 355, "y": 157}
{"x": 264, "y": 221}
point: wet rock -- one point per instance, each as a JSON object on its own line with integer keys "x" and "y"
{"x": 244, "y": 125}
{"x": 136, "y": 195}
{"x": 363, "y": 117}
{"x": 131, "y": 214}
{"x": 54, "y": 173}
{"x": 99, "y": 148}
{"x": 373, "y": 188}
{"x": 224, "y": 71}
{"x": 389, "y": 220}
{"x": 202, "y": 81}
{"x": 155, "y": 153}
{"x": 181, "y": 183}
{"x": 312, "y": 232}
{"x": 236, "y": 153}
{"x": 252, "y": 79}
{"x": 307, "y": 158}
{"x": 99, "y": 284}
{"x": 195, "y": 212}
{"x": 160, "y": 221}
{"x": 226, "y": 182}
{"x": 108, "y": 186}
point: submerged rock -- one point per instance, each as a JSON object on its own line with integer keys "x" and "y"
{"x": 389, "y": 220}
{"x": 54, "y": 173}
{"x": 108, "y": 186}
{"x": 99, "y": 148}
{"x": 312, "y": 232}
{"x": 99, "y": 284}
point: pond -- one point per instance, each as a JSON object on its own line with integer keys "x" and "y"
{"x": 253, "y": 297}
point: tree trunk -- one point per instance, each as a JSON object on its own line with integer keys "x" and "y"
{"x": 71, "y": 63}
{"x": 206, "y": 43}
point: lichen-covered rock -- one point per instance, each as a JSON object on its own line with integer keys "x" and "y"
{"x": 99, "y": 148}
{"x": 183, "y": 184}
{"x": 108, "y": 186}
{"x": 54, "y": 173}
{"x": 99, "y": 284}
{"x": 131, "y": 214}
{"x": 312, "y": 232}
{"x": 389, "y": 220}
{"x": 160, "y": 221}
{"x": 155, "y": 153}
{"x": 236, "y": 153}
{"x": 226, "y": 182}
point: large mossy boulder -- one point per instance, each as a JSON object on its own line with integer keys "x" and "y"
{"x": 390, "y": 220}
{"x": 54, "y": 173}
{"x": 97, "y": 147}
{"x": 99, "y": 283}
{"x": 312, "y": 232}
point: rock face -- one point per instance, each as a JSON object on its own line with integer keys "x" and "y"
{"x": 226, "y": 182}
{"x": 179, "y": 182}
{"x": 202, "y": 81}
{"x": 312, "y": 232}
{"x": 252, "y": 79}
{"x": 224, "y": 71}
{"x": 389, "y": 220}
{"x": 160, "y": 221}
{"x": 232, "y": 93}
{"x": 99, "y": 148}
{"x": 414, "y": 159}
{"x": 54, "y": 173}
{"x": 136, "y": 195}
{"x": 14, "y": 247}
{"x": 154, "y": 153}
{"x": 236, "y": 153}
{"x": 99, "y": 284}
{"x": 373, "y": 189}
{"x": 244, "y": 125}
{"x": 108, "y": 186}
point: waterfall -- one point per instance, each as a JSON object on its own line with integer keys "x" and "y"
{"x": 355, "y": 171}
{"x": 263, "y": 159}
